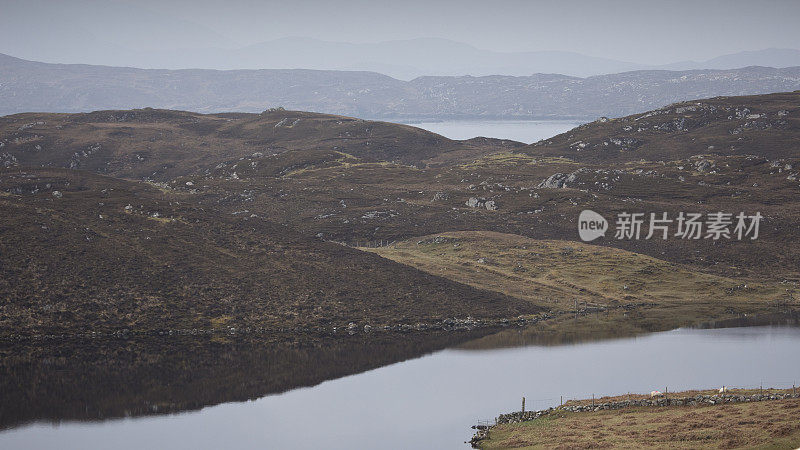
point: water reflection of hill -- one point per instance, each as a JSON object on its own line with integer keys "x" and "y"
{"x": 591, "y": 328}
{"x": 522, "y": 337}
{"x": 97, "y": 380}
{"x": 791, "y": 318}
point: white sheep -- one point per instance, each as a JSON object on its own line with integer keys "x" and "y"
{"x": 654, "y": 394}
{"x": 723, "y": 389}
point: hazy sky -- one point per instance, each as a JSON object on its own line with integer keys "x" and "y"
{"x": 650, "y": 32}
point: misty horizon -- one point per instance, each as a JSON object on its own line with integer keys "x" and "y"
{"x": 406, "y": 60}
{"x": 577, "y": 37}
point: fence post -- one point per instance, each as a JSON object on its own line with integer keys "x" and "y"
{"x": 562, "y": 400}
{"x": 523, "y": 405}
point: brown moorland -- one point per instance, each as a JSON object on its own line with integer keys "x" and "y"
{"x": 87, "y": 253}
{"x": 235, "y": 218}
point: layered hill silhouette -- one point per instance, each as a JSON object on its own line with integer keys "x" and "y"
{"x": 27, "y": 86}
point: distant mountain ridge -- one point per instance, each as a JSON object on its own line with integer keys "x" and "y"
{"x": 404, "y": 59}
{"x": 42, "y": 87}
{"x": 770, "y": 57}
{"x": 401, "y": 59}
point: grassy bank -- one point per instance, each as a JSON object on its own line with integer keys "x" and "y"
{"x": 614, "y": 290}
{"x": 764, "y": 424}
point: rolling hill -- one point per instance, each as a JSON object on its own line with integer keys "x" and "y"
{"x": 84, "y": 253}
{"x": 170, "y": 219}
{"x": 163, "y": 144}
{"x": 764, "y": 126}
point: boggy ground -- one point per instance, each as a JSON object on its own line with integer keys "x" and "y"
{"x": 767, "y": 424}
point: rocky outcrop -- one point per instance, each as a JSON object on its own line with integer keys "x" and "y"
{"x": 560, "y": 180}
{"x": 475, "y": 202}
{"x": 556, "y": 181}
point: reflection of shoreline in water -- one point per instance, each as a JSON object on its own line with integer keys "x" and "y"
{"x": 791, "y": 319}
{"x": 535, "y": 335}
{"x": 105, "y": 379}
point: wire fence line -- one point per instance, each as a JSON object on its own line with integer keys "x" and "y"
{"x": 367, "y": 244}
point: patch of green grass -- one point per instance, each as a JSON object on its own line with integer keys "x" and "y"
{"x": 555, "y": 273}
{"x": 770, "y": 424}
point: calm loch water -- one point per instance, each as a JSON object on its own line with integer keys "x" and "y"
{"x": 358, "y": 398}
{"x": 527, "y": 131}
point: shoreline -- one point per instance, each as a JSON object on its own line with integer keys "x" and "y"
{"x": 349, "y": 329}
{"x": 550, "y": 324}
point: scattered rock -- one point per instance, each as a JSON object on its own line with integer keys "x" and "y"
{"x": 704, "y": 165}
